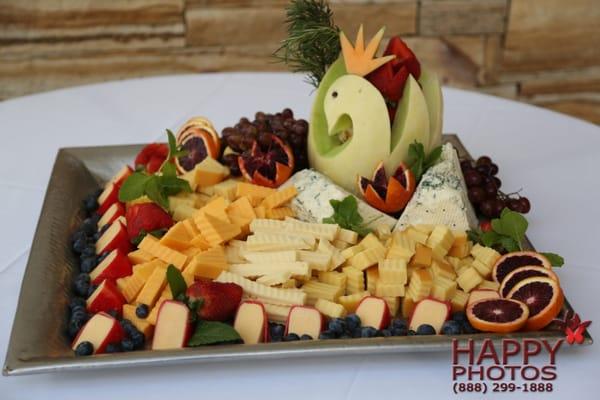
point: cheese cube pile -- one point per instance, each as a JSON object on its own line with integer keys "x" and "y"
{"x": 209, "y": 239}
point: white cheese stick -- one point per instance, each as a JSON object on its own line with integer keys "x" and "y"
{"x": 269, "y": 294}
{"x": 296, "y": 268}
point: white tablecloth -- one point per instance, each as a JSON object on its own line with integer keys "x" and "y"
{"x": 554, "y": 158}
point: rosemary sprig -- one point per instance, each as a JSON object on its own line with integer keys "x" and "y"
{"x": 313, "y": 41}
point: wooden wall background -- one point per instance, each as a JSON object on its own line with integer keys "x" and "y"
{"x": 546, "y": 52}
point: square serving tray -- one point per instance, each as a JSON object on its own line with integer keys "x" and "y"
{"x": 38, "y": 343}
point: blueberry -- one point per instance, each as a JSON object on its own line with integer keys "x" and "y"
{"x": 399, "y": 323}
{"x": 368, "y": 331}
{"x": 81, "y": 285}
{"x": 88, "y": 251}
{"x": 411, "y": 333}
{"x": 337, "y": 325}
{"x": 113, "y": 348}
{"x": 142, "y": 311}
{"x": 138, "y": 340}
{"x": 88, "y": 226}
{"x": 425, "y": 329}
{"x": 91, "y": 290}
{"x": 74, "y": 327}
{"x": 276, "y": 339}
{"x": 399, "y": 332}
{"x": 327, "y": 335}
{"x": 357, "y": 332}
{"x": 102, "y": 256}
{"x": 79, "y": 245}
{"x": 467, "y": 328}
{"x": 290, "y": 337}
{"x": 76, "y": 302}
{"x": 386, "y": 333}
{"x": 79, "y": 234}
{"x": 276, "y": 330}
{"x": 90, "y": 203}
{"x": 345, "y": 336}
{"x": 306, "y": 337}
{"x": 459, "y": 316}
{"x": 80, "y": 315}
{"x": 84, "y": 348}
{"x": 127, "y": 345}
{"x": 451, "y": 328}
{"x": 352, "y": 322}
{"x": 88, "y": 264}
{"x": 128, "y": 327}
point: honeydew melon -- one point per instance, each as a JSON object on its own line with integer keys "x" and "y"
{"x": 411, "y": 124}
{"x": 430, "y": 85}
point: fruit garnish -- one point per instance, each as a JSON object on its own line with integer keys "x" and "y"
{"x": 151, "y": 157}
{"x": 522, "y": 273}
{"x": 145, "y": 218}
{"x": 346, "y": 215}
{"x": 240, "y": 137}
{"x": 313, "y": 43}
{"x": 198, "y": 138}
{"x": 419, "y": 162}
{"x": 361, "y": 60}
{"x": 269, "y": 163}
{"x": 157, "y": 187}
{"x": 544, "y": 298}
{"x": 498, "y": 315}
{"x": 388, "y": 195}
{"x": 511, "y": 261}
{"x": 219, "y": 300}
{"x": 391, "y": 76}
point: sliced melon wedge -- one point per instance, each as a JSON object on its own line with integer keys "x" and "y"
{"x": 432, "y": 91}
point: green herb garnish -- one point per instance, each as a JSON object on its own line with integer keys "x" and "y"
{"x": 507, "y": 234}
{"x": 419, "y": 162}
{"x": 212, "y": 332}
{"x": 176, "y": 282}
{"x": 313, "y": 41}
{"x": 158, "y": 187}
{"x": 346, "y": 215}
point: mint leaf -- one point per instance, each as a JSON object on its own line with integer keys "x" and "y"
{"x": 555, "y": 259}
{"x": 433, "y": 157}
{"x": 418, "y": 161}
{"x": 346, "y": 215}
{"x": 176, "y": 282}
{"x": 134, "y": 186}
{"x": 489, "y": 239}
{"x": 509, "y": 244}
{"x": 211, "y": 332}
{"x": 511, "y": 224}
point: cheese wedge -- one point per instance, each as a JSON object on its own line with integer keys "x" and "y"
{"x": 151, "y": 245}
{"x": 280, "y": 197}
{"x": 330, "y": 309}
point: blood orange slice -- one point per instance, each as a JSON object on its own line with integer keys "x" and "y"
{"x": 521, "y": 273}
{"x": 497, "y": 315}
{"x": 544, "y": 298}
{"x": 200, "y": 140}
{"x": 511, "y": 261}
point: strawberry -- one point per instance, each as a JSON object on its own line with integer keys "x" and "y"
{"x": 152, "y": 156}
{"x": 404, "y": 57}
{"x": 220, "y": 300}
{"x": 146, "y": 216}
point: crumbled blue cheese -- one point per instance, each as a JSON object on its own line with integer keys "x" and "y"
{"x": 314, "y": 192}
{"x": 441, "y": 197}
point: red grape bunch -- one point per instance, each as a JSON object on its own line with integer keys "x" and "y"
{"x": 484, "y": 189}
{"x": 240, "y": 137}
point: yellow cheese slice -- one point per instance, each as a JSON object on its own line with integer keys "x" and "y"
{"x": 151, "y": 245}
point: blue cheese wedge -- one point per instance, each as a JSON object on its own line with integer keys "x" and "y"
{"x": 441, "y": 197}
{"x": 311, "y": 204}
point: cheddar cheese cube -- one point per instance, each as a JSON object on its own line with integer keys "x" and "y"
{"x": 141, "y": 325}
{"x": 393, "y": 271}
{"x": 330, "y": 309}
{"x": 153, "y": 287}
{"x": 350, "y": 302}
{"x": 177, "y": 237}
{"x": 151, "y": 245}
{"x": 280, "y": 197}
{"x": 422, "y": 257}
{"x": 139, "y": 256}
{"x": 248, "y": 189}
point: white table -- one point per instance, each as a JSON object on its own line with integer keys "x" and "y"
{"x": 552, "y": 156}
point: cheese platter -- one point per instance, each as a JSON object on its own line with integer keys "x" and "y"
{"x": 362, "y": 230}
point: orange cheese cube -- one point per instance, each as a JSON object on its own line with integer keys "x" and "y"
{"x": 280, "y": 213}
{"x": 208, "y": 264}
{"x": 130, "y": 287}
{"x": 260, "y": 212}
{"x": 151, "y": 290}
{"x": 422, "y": 257}
{"x": 139, "y": 256}
{"x": 145, "y": 270}
{"x": 151, "y": 245}
{"x": 177, "y": 237}
{"x": 280, "y": 197}
{"x": 216, "y": 231}
{"x": 248, "y": 189}
{"x": 209, "y": 172}
{"x": 190, "y": 227}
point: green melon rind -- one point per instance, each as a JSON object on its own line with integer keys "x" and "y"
{"x": 430, "y": 85}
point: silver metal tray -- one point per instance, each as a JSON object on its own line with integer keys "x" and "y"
{"x": 38, "y": 343}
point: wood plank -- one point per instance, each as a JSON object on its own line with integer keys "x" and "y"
{"x": 24, "y": 76}
{"x": 462, "y": 17}
{"x": 587, "y": 109}
{"x": 399, "y": 18}
{"x": 552, "y": 34}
